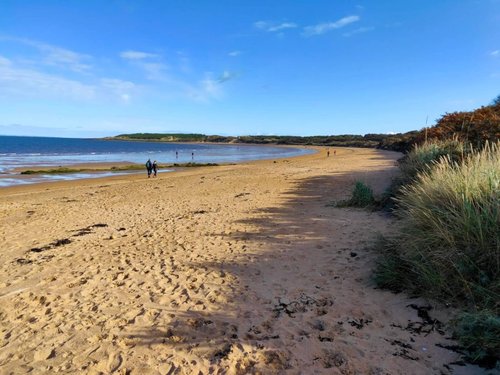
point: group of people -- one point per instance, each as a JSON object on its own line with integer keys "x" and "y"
{"x": 152, "y": 168}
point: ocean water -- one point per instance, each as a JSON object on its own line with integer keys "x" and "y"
{"x": 25, "y": 152}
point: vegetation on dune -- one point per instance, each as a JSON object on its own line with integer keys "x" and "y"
{"x": 479, "y": 335}
{"x": 362, "y": 196}
{"x": 474, "y": 127}
{"x": 173, "y": 137}
{"x": 448, "y": 244}
{"x": 367, "y": 140}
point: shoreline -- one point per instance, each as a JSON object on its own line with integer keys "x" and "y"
{"x": 120, "y": 167}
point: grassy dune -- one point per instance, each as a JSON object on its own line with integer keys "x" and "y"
{"x": 448, "y": 244}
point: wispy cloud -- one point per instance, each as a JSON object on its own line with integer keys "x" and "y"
{"x": 29, "y": 77}
{"x": 358, "y": 31}
{"x": 19, "y": 81}
{"x": 122, "y": 89}
{"x": 495, "y": 53}
{"x": 150, "y": 63}
{"x": 322, "y": 28}
{"x": 137, "y": 55}
{"x": 184, "y": 62}
{"x": 274, "y": 27}
{"x": 65, "y": 58}
{"x": 226, "y": 76}
{"x": 234, "y": 53}
{"x": 29, "y": 82}
{"x": 207, "y": 89}
{"x": 155, "y": 71}
{"x": 56, "y": 56}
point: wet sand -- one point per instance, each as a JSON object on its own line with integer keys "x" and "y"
{"x": 236, "y": 269}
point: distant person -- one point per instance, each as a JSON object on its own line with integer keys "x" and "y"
{"x": 334, "y": 152}
{"x": 155, "y": 168}
{"x": 149, "y": 167}
{"x": 328, "y": 153}
{"x": 177, "y": 154}
{"x": 192, "y": 156}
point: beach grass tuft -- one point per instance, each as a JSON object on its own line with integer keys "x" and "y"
{"x": 422, "y": 158}
{"x": 450, "y": 229}
{"x": 362, "y": 196}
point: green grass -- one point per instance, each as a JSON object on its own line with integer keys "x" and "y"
{"x": 424, "y": 156}
{"x": 420, "y": 159}
{"x": 362, "y": 196}
{"x": 479, "y": 334}
{"x": 450, "y": 236}
{"x": 448, "y": 243}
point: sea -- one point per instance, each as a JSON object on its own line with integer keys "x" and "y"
{"x": 25, "y": 152}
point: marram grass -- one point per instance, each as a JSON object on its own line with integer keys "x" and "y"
{"x": 448, "y": 246}
{"x": 450, "y": 237}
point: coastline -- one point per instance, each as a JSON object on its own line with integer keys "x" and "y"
{"x": 236, "y": 268}
{"x": 63, "y": 170}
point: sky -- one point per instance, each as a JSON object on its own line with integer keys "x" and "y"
{"x": 304, "y": 67}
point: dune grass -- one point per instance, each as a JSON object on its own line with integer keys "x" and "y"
{"x": 362, "y": 196}
{"x": 448, "y": 245}
{"x": 479, "y": 334}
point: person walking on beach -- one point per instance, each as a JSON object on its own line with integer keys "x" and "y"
{"x": 328, "y": 153}
{"x": 155, "y": 168}
{"x": 149, "y": 167}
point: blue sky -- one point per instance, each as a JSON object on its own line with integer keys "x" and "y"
{"x": 97, "y": 68}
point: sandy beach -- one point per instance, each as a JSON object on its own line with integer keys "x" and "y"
{"x": 236, "y": 269}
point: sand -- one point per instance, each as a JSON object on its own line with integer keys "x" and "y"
{"x": 239, "y": 269}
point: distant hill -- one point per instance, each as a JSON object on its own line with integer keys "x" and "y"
{"x": 476, "y": 127}
{"x": 161, "y": 137}
{"x": 368, "y": 140}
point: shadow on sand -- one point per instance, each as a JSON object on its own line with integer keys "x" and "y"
{"x": 293, "y": 260}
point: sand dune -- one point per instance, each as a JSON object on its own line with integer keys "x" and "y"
{"x": 240, "y": 269}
